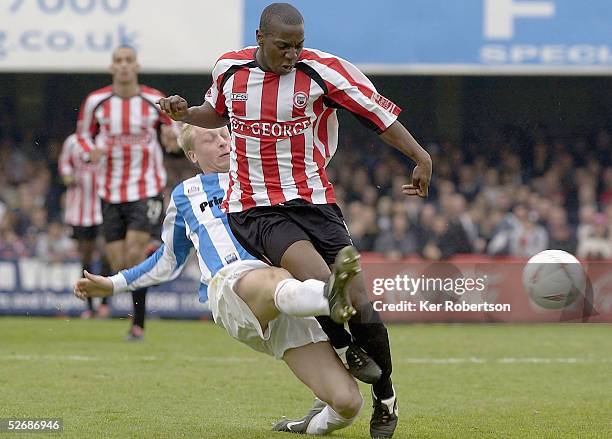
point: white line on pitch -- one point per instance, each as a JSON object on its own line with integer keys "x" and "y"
{"x": 504, "y": 360}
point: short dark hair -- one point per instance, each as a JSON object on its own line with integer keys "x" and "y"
{"x": 283, "y": 12}
{"x": 125, "y": 46}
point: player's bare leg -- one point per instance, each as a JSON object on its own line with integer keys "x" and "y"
{"x": 303, "y": 261}
{"x": 115, "y": 252}
{"x": 86, "y": 248}
{"x": 136, "y": 242}
{"x": 270, "y": 291}
{"x": 317, "y": 366}
{"x": 124, "y": 254}
{"x": 257, "y": 289}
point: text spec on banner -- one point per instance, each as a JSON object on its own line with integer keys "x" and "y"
{"x": 463, "y": 37}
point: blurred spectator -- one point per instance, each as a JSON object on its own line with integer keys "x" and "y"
{"x": 443, "y": 240}
{"x": 399, "y": 241}
{"x": 519, "y": 234}
{"x": 606, "y": 192}
{"x": 55, "y": 245}
{"x": 595, "y": 243}
{"x": 529, "y": 237}
{"x": 468, "y": 184}
{"x": 562, "y": 236}
{"x": 2, "y": 210}
{"x": 505, "y": 196}
{"x": 384, "y": 211}
{"x": 362, "y": 223}
{"x": 11, "y": 246}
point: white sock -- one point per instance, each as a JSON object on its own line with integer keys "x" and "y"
{"x": 301, "y": 299}
{"x": 327, "y": 421}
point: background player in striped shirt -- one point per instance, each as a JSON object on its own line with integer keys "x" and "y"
{"x": 120, "y": 128}
{"x": 259, "y": 305}
{"x": 281, "y": 101}
{"x": 83, "y": 210}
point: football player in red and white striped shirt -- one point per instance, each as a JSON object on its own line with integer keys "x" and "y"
{"x": 83, "y": 210}
{"x": 120, "y": 128}
{"x": 281, "y": 102}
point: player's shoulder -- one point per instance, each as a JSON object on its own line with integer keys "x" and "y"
{"x": 234, "y": 57}
{"x": 309, "y": 54}
{"x": 188, "y": 187}
{"x": 245, "y": 54}
{"x": 146, "y": 90}
{"x": 333, "y": 67}
{"x": 100, "y": 93}
{"x": 71, "y": 139}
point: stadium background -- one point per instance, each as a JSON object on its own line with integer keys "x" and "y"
{"x": 513, "y": 104}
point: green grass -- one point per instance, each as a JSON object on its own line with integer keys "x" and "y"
{"x": 189, "y": 379}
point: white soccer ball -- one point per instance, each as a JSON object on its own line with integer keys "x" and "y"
{"x": 554, "y": 279}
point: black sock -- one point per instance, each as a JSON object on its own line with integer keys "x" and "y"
{"x": 89, "y": 299}
{"x": 338, "y": 336}
{"x": 139, "y": 300}
{"x": 105, "y": 271}
{"x": 370, "y": 333}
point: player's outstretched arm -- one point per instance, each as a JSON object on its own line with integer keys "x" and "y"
{"x": 93, "y": 285}
{"x": 399, "y": 137}
{"x": 203, "y": 116}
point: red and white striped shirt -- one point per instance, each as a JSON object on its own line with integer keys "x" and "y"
{"x": 126, "y": 129}
{"x": 284, "y": 127}
{"x": 83, "y": 207}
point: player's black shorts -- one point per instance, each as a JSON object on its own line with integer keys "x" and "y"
{"x": 270, "y": 230}
{"x": 143, "y": 215}
{"x": 85, "y": 233}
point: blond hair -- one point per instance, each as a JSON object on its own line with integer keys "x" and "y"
{"x": 186, "y": 138}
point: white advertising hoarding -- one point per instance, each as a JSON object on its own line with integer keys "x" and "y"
{"x": 79, "y": 35}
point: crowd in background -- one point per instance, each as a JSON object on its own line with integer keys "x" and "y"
{"x": 512, "y": 195}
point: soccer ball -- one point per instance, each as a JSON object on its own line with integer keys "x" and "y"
{"x": 554, "y": 279}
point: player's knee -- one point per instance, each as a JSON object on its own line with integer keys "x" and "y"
{"x": 347, "y": 403}
{"x": 135, "y": 255}
{"x": 278, "y": 274}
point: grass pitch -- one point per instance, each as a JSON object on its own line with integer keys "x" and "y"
{"x": 190, "y": 380}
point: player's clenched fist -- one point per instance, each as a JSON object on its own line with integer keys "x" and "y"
{"x": 174, "y": 106}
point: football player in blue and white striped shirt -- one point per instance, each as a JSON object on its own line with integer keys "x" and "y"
{"x": 259, "y": 305}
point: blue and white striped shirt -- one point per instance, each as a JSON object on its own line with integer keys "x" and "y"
{"x": 194, "y": 219}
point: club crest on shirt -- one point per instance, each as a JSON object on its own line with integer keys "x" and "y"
{"x": 232, "y": 257}
{"x": 240, "y": 97}
{"x": 193, "y": 190}
{"x": 300, "y": 99}
{"x": 209, "y": 93}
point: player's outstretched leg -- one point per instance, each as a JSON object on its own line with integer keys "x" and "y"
{"x": 338, "y": 399}
{"x": 270, "y": 291}
{"x": 303, "y": 261}
{"x": 300, "y": 425}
